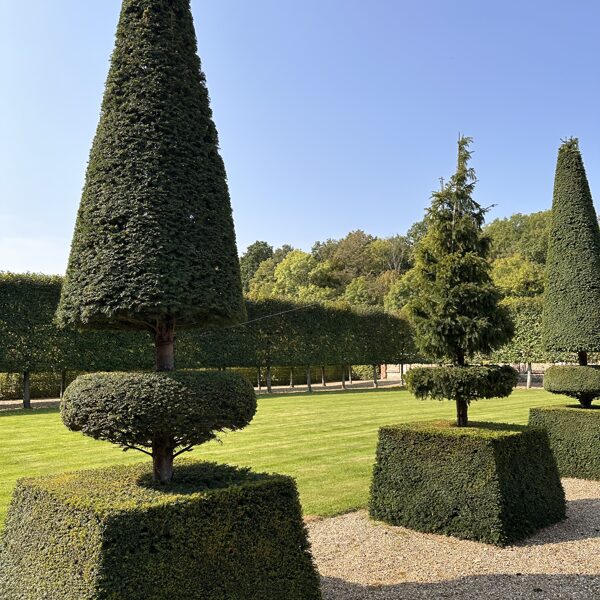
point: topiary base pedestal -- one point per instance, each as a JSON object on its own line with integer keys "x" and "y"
{"x": 493, "y": 483}
{"x": 574, "y": 435}
{"x": 216, "y": 533}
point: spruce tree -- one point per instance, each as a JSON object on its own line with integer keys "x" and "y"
{"x": 455, "y": 307}
{"x": 154, "y": 244}
{"x": 571, "y": 319}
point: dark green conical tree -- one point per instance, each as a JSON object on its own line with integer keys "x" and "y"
{"x": 154, "y": 245}
{"x": 455, "y": 307}
{"x": 571, "y": 318}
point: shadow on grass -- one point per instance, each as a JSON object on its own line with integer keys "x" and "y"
{"x": 485, "y": 587}
{"x": 16, "y": 412}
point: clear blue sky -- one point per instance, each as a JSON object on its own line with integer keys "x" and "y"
{"x": 333, "y": 114}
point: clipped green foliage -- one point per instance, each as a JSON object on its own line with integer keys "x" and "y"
{"x": 217, "y": 532}
{"x": 461, "y": 383}
{"x": 455, "y": 306}
{"x": 154, "y": 237}
{"x": 581, "y": 382}
{"x": 571, "y": 320}
{"x": 574, "y": 435}
{"x": 129, "y": 408}
{"x": 493, "y": 483}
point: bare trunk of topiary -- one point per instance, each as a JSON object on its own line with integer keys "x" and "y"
{"x": 269, "y": 381}
{"x": 308, "y": 379}
{"x": 583, "y": 358}
{"x": 586, "y": 401}
{"x": 323, "y": 380}
{"x": 462, "y": 406}
{"x": 291, "y": 377}
{"x": 375, "y": 380}
{"x": 26, "y": 391}
{"x": 163, "y": 446}
{"x": 529, "y": 374}
{"x": 63, "y": 382}
{"x": 343, "y": 377}
{"x": 462, "y": 416}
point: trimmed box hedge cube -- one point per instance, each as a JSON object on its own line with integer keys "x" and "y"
{"x": 216, "y": 533}
{"x": 574, "y": 435}
{"x": 493, "y": 483}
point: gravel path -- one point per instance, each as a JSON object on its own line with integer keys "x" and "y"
{"x": 362, "y": 559}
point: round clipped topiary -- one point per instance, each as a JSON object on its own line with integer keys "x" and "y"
{"x": 578, "y": 382}
{"x": 187, "y": 408}
{"x": 462, "y": 383}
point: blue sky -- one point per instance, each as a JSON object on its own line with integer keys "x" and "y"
{"x": 333, "y": 114}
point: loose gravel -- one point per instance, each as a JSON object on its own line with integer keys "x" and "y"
{"x": 362, "y": 559}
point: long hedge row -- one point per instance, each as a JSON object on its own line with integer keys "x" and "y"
{"x": 276, "y": 333}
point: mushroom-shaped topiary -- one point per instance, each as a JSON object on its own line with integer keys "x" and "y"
{"x": 181, "y": 409}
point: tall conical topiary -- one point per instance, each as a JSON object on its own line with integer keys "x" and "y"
{"x": 154, "y": 245}
{"x": 571, "y": 321}
{"x": 571, "y": 318}
{"x": 455, "y": 306}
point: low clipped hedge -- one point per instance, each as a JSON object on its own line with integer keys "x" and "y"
{"x": 574, "y": 435}
{"x": 580, "y": 382}
{"x": 216, "y": 533}
{"x": 493, "y": 483}
{"x": 462, "y": 383}
{"x": 129, "y": 408}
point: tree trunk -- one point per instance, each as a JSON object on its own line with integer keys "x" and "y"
{"x": 350, "y": 374}
{"x": 384, "y": 371}
{"x": 163, "y": 446}
{"x": 63, "y": 382}
{"x": 462, "y": 418}
{"x": 401, "y": 373}
{"x": 292, "y": 377}
{"x": 26, "y": 390}
{"x": 269, "y": 380}
{"x": 308, "y": 380}
{"x": 586, "y": 401}
{"x": 258, "y": 379}
{"x": 375, "y": 381}
{"x": 162, "y": 458}
{"x": 583, "y": 358}
{"x": 164, "y": 348}
{"x": 529, "y": 374}
{"x": 323, "y": 382}
{"x": 343, "y": 377}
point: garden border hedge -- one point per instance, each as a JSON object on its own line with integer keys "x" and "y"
{"x": 217, "y": 532}
{"x": 493, "y": 482}
{"x": 574, "y": 435}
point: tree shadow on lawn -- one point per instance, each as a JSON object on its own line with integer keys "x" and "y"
{"x": 481, "y": 587}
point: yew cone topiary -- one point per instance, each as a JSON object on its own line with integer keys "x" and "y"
{"x": 154, "y": 244}
{"x": 571, "y": 319}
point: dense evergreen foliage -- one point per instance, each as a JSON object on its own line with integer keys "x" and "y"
{"x": 154, "y": 239}
{"x": 573, "y": 434}
{"x": 580, "y": 382}
{"x": 455, "y": 308}
{"x": 493, "y": 483}
{"x": 187, "y": 408}
{"x": 217, "y": 533}
{"x": 467, "y": 383}
{"x": 571, "y": 321}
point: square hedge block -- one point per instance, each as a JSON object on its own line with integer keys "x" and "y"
{"x": 216, "y": 533}
{"x": 489, "y": 482}
{"x": 574, "y": 435}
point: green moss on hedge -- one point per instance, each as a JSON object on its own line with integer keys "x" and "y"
{"x": 493, "y": 483}
{"x": 580, "y": 382}
{"x": 130, "y": 408}
{"x": 574, "y": 435}
{"x": 217, "y": 533}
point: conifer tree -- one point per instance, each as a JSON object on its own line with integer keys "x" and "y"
{"x": 455, "y": 307}
{"x": 154, "y": 244}
{"x": 571, "y": 319}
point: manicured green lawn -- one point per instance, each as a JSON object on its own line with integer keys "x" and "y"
{"x": 325, "y": 440}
